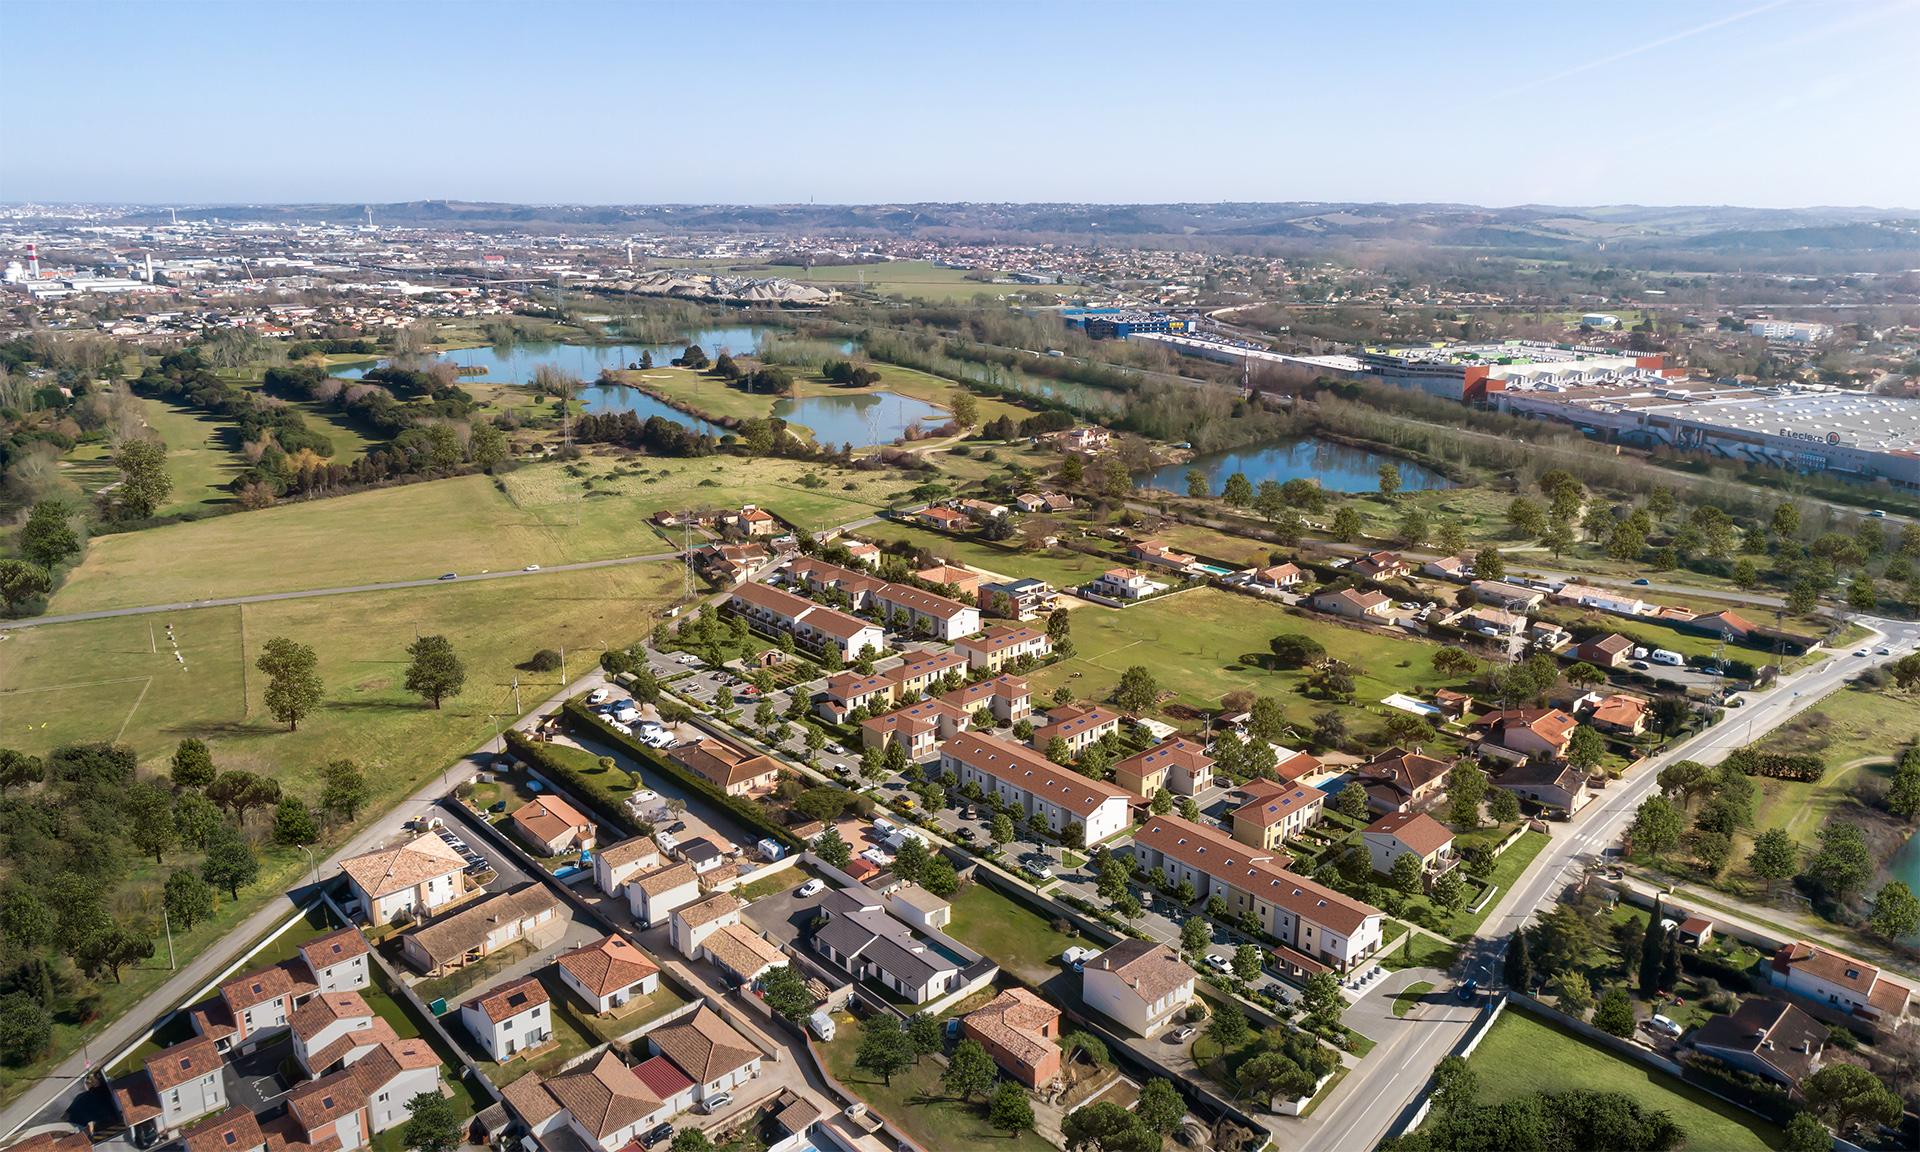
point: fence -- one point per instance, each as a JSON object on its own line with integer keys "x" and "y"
{"x": 1476, "y": 1032}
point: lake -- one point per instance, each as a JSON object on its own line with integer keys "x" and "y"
{"x": 517, "y": 364}
{"x": 1905, "y": 866}
{"x": 1335, "y": 466}
{"x": 875, "y": 418}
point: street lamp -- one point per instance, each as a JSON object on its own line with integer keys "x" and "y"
{"x": 168, "y": 921}
{"x": 312, "y": 863}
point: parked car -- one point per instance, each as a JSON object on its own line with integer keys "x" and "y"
{"x": 713, "y": 1104}
{"x": 1037, "y": 871}
{"x": 1075, "y": 957}
{"x": 1467, "y": 990}
{"x": 813, "y": 888}
{"x": 966, "y": 834}
{"x": 598, "y": 695}
{"x": 1184, "y": 1034}
{"x": 657, "y": 1133}
{"x": 1219, "y": 963}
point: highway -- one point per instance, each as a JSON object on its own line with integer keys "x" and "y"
{"x": 1394, "y": 1073}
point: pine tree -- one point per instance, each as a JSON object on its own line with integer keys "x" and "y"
{"x": 1650, "y": 951}
{"x": 1670, "y": 963}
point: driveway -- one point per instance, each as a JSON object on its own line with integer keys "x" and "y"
{"x": 254, "y": 1082}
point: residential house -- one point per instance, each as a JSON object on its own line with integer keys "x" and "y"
{"x": 814, "y": 626}
{"x": 1032, "y": 783}
{"x": 552, "y": 826}
{"x": 734, "y": 771}
{"x": 1401, "y": 781}
{"x": 1533, "y": 731}
{"x": 177, "y": 1085}
{"x": 1155, "y": 554}
{"x": 1769, "y": 1038}
{"x": 1550, "y": 784}
{"x": 758, "y": 522}
{"x": 1626, "y": 715}
{"x": 665, "y": 1080}
{"x": 1380, "y": 566}
{"x": 738, "y": 950}
{"x": 863, "y": 940}
{"x": 982, "y": 511}
{"x": 821, "y": 577}
{"x": 1601, "y": 599}
{"x": 1059, "y": 502}
{"x": 1294, "y": 767}
{"x": 963, "y": 581}
{"x": 998, "y": 646}
{"x": 530, "y": 912}
{"x": 614, "y": 864}
{"x": 1488, "y": 621}
{"x": 1179, "y": 765}
{"x": 1022, "y": 1034}
{"x": 1727, "y": 623}
{"x": 923, "y": 672}
{"x": 1453, "y": 705}
{"x": 1078, "y": 726}
{"x": 654, "y": 895}
{"x": 1005, "y": 698}
{"x": 1087, "y": 440}
{"x": 1321, "y": 927}
{"x": 1547, "y": 636}
{"x": 334, "y": 1029}
{"x": 919, "y": 726}
{"x": 1138, "y": 984}
{"x": 945, "y": 519}
{"x": 608, "y": 973}
{"x": 850, "y": 690}
{"x": 715, "y": 1057}
{"x": 1030, "y": 502}
{"x": 920, "y": 909}
{"x": 728, "y": 564}
{"x": 1695, "y": 931}
{"x": 1026, "y": 598}
{"x": 604, "y": 1104}
{"x": 416, "y": 877}
{"x": 1272, "y": 812}
{"x": 70, "y": 1141}
{"x": 255, "y": 1005}
{"x": 510, "y": 1017}
{"x": 690, "y": 925}
{"x": 1353, "y": 605}
{"x": 702, "y": 853}
{"x": 1611, "y": 651}
{"x": 1124, "y": 584}
{"x": 1512, "y": 597}
{"x": 1400, "y": 834}
{"x": 1279, "y": 576}
{"x": 1839, "y": 980}
{"x": 1455, "y": 568}
{"x": 944, "y": 619}
{"x": 862, "y": 552}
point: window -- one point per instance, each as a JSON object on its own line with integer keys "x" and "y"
{"x": 175, "y": 1098}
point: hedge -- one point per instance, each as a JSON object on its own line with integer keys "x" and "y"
{"x": 1778, "y": 765}
{"x": 538, "y": 754}
{"x": 1736, "y": 979}
{"x": 1741, "y": 1087}
{"x": 747, "y": 813}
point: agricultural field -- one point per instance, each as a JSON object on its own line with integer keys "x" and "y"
{"x": 915, "y": 279}
{"x": 103, "y": 680}
{"x": 466, "y": 524}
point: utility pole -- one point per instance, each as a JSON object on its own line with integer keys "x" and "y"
{"x": 168, "y": 921}
{"x": 517, "y": 710}
{"x": 563, "y": 667}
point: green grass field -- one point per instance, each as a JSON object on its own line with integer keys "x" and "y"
{"x": 1193, "y": 642}
{"x": 1521, "y": 1055}
{"x": 915, "y": 279}
{"x": 916, "y": 1102}
{"x": 466, "y": 524}
{"x": 1018, "y": 938}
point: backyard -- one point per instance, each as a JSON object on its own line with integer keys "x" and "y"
{"x": 1522, "y": 1055}
{"x": 1018, "y": 938}
{"x": 916, "y": 1102}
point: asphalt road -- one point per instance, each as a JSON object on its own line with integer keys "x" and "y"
{"x": 101, "y": 615}
{"x": 1394, "y": 1073}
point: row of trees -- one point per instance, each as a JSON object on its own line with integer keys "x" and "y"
{"x": 295, "y": 687}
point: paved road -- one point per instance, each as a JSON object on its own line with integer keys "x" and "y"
{"x": 103, "y": 614}
{"x": 48, "y": 1100}
{"x": 1394, "y": 1073}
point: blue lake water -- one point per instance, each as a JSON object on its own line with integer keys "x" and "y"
{"x": 517, "y": 364}
{"x": 620, "y": 398}
{"x": 1905, "y": 866}
{"x": 876, "y": 418}
{"x": 1336, "y": 466}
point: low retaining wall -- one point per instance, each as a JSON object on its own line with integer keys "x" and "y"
{"x": 1476, "y": 1032}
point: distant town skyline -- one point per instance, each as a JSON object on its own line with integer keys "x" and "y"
{"x": 1779, "y": 104}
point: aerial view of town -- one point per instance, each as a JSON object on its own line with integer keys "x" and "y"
{"x": 586, "y": 597}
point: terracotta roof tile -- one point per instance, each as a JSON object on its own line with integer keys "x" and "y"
{"x": 604, "y": 1097}
{"x": 608, "y": 965}
{"x": 508, "y": 1000}
{"x": 704, "y": 1047}
{"x": 385, "y": 871}
{"x": 1014, "y": 1020}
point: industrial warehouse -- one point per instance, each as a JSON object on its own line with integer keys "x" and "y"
{"x": 1802, "y": 427}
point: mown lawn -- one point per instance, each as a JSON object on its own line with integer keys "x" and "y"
{"x": 1506, "y": 871}
{"x": 1523, "y": 1055}
{"x": 917, "y": 1104}
{"x": 1016, "y": 937}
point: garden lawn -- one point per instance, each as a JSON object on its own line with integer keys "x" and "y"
{"x": 1522, "y": 1055}
{"x": 570, "y": 1039}
{"x": 1193, "y": 642}
{"x": 1427, "y": 953}
{"x": 916, "y": 1103}
{"x": 780, "y": 881}
{"x": 1015, "y": 936}
{"x": 1506, "y": 870}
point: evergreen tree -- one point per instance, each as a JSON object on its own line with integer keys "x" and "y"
{"x": 1652, "y": 947}
{"x": 1519, "y": 970}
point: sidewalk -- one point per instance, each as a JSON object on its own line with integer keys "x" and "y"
{"x": 69, "y": 1077}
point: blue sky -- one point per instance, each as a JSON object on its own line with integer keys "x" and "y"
{"x": 1779, "y": 104}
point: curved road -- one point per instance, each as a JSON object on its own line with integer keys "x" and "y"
{"x": 104, "y": 613}
{"x": 1394, "y": 1073}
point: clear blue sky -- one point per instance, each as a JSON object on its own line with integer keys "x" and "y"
{"x": 1769, "y": 104}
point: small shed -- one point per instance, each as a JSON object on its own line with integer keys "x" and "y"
{"x": 1696, "y": 931}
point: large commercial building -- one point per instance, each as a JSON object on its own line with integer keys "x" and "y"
{"x": 1474, "y": 372}
{"x": 1805, "y": 428}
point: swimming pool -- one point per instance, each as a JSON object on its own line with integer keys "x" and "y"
{"x": 1213, "y": 571}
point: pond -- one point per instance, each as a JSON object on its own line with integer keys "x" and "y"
{"x": 1335, "y": 466}
{"x": 1905, "y": 866}
{"x": 621, "y": 398}
{"x": 873, "y": 418}
{"x": 517, "y": 364}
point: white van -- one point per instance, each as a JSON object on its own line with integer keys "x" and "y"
{"x": 1662, "y": 656}
{"x": 822, "y": 1025}
{"x": 884, "y": 826}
